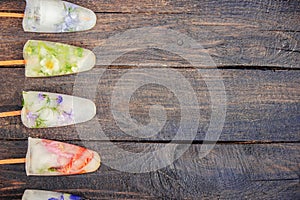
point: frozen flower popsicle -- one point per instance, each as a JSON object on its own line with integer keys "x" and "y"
{"x": 52, "y": 158}
{"x": 54, "y": 16}
{"x": 46, "y": 59}
{"x": 44, "y": 109}
{"x": 54, "y": 59}
{"x": 48, "y": 195}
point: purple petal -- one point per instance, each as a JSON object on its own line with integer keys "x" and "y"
{"x": 59, "y": 99}
{"x": 31, "y": 116}
{"x": 41, "y": 96}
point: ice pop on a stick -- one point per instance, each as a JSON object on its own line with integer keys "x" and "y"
{"x": 46, "y": 195}
{"x": 54, "y": 16}
{"x": 45, "y": 59}
{"x": 44, "y": 109}
{"x": 53, "y": 158}
{"x": 54, "y": 59}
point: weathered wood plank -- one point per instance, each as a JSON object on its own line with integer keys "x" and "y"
{"x": 260, "y": 171}
{"x": 231, "y": 44}
{"x": 279, "y": 14}
{"x": 261, "y": 105}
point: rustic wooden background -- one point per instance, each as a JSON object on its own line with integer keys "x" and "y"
{"x": 255, "y": 45}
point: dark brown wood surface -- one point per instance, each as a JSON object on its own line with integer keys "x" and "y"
{"x": 255, "y": 47}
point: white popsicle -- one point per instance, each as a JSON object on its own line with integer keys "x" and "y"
{"x": 44, "y": 59}
{"x": 48, "y": 195}
{"x": 52, "y": 158}
{"x": 55, "y": 16}
{"x": 43, "y": 109}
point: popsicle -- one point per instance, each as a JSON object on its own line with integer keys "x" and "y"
{"x": 48, "y": 195}
{"x": 53, "y": 158}
{"x": 44, "y": 109}
{"x": 45, "y": 59}
{"x": 54, "y": 16}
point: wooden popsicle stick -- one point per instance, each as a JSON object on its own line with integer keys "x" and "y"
{"x": 12, "y": 161}
{"x": 12, "y": 62}
{"x": 10, "y": 113}
{"x": 7, "y": 14}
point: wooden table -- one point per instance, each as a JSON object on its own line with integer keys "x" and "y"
{"x": 255, "y": 47}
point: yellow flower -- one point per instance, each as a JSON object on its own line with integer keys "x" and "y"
{"x": 49, "y": 65}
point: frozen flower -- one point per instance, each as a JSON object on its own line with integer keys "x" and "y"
{"x": 41, "y": 96}
{"x": 74, "y": 197}
{"x": 68, "y": 197}
{"x": 71, "y": 18}
{"x": 69, "y": 115}
{"x": 66, "y": 117}
{"x": 69, "y": 24}
{"x": 49, "y": 65}
{"x": 48, "y": 115}
{"x": 31, "y": 118}
{"x": 60, "y": 198}
{"x": 59, "y": 99}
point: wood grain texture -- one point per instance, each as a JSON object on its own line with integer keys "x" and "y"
{"x": 261, "y": 105}
{"x": 273, "y": 12}
{"x": 245, "y": 41}
{"x": 255, "y": 47}
{"x": 229, "y": 171}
